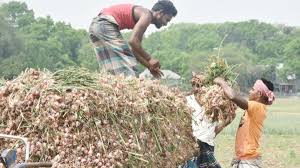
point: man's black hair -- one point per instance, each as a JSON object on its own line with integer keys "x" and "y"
{"x": 268, "y": 84}
{"x": 166, "y": 6}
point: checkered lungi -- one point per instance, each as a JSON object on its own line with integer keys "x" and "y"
{"x": 251, "y": 163}
{"x": 205, "y": 159}
{"x": 112, "y": 51}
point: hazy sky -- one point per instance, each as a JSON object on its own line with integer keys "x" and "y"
{"x": 79, "y": 13}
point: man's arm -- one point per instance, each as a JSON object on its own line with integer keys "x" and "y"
{"x": 219, "y": 128}
{"x": 224, "y": 123}
{"x": 135, "y": 42}
{"x": 231, "y": 94}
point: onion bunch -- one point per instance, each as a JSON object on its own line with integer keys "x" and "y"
{"x": 211, "y": 96}
{"x": 76, "y": 118}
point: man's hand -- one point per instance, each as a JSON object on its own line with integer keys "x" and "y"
{"x": 219, "y": 80}
{"x": 223, "y": 123}
{"x": 231, "y": 93}
{"x": 154, "y": 68}
{"x": 156, "y": 73}
{"x": 154, "y": 63}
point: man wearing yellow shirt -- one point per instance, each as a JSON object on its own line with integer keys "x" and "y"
{"x": 251, "y": 125}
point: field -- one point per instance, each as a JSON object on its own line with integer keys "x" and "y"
{"x": 280, "y": 140}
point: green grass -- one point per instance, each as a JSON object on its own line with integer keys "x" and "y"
{"x": 278, "y": 151}
{"x": 291, "y": 105}
{"x": 280, "y": 142}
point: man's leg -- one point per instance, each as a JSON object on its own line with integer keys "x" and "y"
{"x": 207, "y": 159}
{"x": 251, "y": 163}
{"x": 111, "y": 49}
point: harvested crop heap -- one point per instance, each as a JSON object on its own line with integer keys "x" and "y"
{"x": 211, "y": 96}
{"x": 76, "y": 118}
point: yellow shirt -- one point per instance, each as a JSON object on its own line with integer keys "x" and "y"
{"x": 249, "y": 132}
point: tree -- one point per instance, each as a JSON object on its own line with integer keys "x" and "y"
{"x": 10, "y": 43}
{"x": 17, "y": 14}
{"x": 87, "y": 57}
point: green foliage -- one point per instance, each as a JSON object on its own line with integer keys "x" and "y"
{"x": 2, "y": 81}
{"x": 254, "y": 45}
{"x": 87, "y": 57}
{"x": 36, "y": 43}
{"x": 219, "y": 68}
{"x": 17, "y": 13}
{"x": 75, "y": 76}
{"x": 10, "y": 42}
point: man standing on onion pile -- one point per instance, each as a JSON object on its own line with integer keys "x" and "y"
{"x": 113, "y": 51}
{"x": 251, "y": 124}
{"x": 205, "y": 131}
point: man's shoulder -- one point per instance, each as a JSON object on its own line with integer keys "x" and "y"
{"x": 192, "y": 102}
{"x": 190, "y": 96}
{"x": 256, "y": 108}
{"x": 190, "y": 99}
{"x": 255, "y": 103}
{"x": 142, "y": 11}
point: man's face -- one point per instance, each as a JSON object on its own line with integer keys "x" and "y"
{"x": 162, "y": 20}
{"x": 254, "y": 94}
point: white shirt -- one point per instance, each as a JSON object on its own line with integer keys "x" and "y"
{"x": 203, "y": 128}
